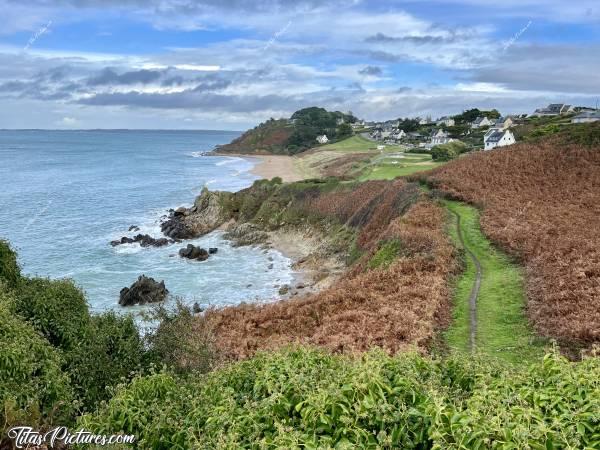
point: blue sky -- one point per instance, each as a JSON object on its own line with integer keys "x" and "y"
{"x": 230, "y": 64}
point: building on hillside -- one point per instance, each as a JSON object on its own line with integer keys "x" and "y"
{"x": 482, "y": 121}
{"x": 439, "y": 137}
{"x": 504, "y": 123}
{"x": 425, "y": 121}
{"x": 498, "y": 138}
{"x": 398, "y": 135}
{"x": 554, "y": 109}
{"x": 587, "y": 117}
{"x": 446, "y": 121}
{"x": 322, "y": 139}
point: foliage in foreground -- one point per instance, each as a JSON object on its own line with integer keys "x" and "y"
{"x": 57, "y": 360}
{"x": 304, "y": 398}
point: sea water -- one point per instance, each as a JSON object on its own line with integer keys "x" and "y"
{"x": 64, "y": 195}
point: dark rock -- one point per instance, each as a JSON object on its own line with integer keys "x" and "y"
{"x": 193, "y": 252}
{"x": 145, "y": 240}
{"x": 284, "y": 290}
{"x": 134, "y": 228}
{"x": 270, "y": 266}
{"x": 179, "y": 211}
{"x": 212, "y": 250}
{"x": 144, "y": 290}
{"x": 176, "y": 229}
{"x": 300, "y": 286}
{"x": 196, "y": 308}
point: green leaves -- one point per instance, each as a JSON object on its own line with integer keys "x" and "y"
{"x": 306, "y": 398}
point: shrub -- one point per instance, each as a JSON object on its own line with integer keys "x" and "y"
{"x": 56, "y": 308}
{"x": 111, "y": 352}
{"x": 10, "y": 273}
{"x": 33, "y": 389}
{"x": 306, "y": 398}
{"x": 446, "y": 152}
{"x": 182, "y": 341}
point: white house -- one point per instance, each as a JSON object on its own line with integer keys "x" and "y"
{"x": 447, "y": 121}
{"x": 482, "y": 121}
{"x": 398, "y": 135}
{"x": 425, "y": 121}
{"x": 504, "y": 123}
{"x": 587, "y": 117}
{"x": 439, "y": 137}
{"x": 498, "y": 138}
{"x": 322, "y": 139}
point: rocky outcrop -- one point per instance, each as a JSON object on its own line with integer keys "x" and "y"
{"x": 193, "y": 252}
{"x": 246, "y": 234}
{"x": 144, "y": 290}
{"x": 205, "y": 216}
{"x": 145, "y": 240}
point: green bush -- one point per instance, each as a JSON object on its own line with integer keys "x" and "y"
{"x": 33, "y": 389}
{"x": 304, "y": 398}
{"x": 56, "y": 308}
{"x": 181, "y": 340}
{"x": 10, "y": 273}
{"x": 112, "y": 351}
{"x": 446, "y": 152}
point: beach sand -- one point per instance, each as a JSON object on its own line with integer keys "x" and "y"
{"x": 282, "y": 166}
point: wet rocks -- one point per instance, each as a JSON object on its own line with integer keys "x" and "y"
{"x": 206, "y": 215}
{"x": 193, "y": 252}
{"x": 212, "y": 250}
{"x": 175, "y": 228}
{"x": 144, "y": 290}
{"x": 283, "y": 290}
{"x": 145, "y": 240}
{"x": 134, "y": 228}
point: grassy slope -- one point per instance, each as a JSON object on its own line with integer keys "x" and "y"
{"x": 355, "y": 143}
{"x": 502, "y": 327}
{"x": 388, "y": 167}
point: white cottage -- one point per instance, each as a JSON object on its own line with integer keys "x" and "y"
{"x": 322, "y": 139}
{"x": 498, "y": 138}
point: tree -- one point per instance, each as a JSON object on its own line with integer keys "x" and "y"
{"x": 446, "y": 152}
{"x": 344, "y": 130}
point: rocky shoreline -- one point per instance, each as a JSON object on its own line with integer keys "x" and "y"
{"x": 314, "y": 266}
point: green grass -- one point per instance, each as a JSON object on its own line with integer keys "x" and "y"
{"x": 502, "y": 328}
{"x": 356, "y": 144}
{"x": 388, "y": 251}
{"x": 388, "y": 167}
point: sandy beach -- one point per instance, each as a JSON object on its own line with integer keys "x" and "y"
{"x": 269, "y": 166}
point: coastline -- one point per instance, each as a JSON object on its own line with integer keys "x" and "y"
{"x": 271, "y": 166}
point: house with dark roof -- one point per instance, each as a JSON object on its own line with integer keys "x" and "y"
{"x": 482, "y": 121}
{"x": 554, "y": 109}
{"x": 498, "y": 138}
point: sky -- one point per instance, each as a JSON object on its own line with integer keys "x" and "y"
{"x": 230, "y": 64}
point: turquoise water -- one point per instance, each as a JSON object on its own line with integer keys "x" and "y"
{"x": 66, "y": 194}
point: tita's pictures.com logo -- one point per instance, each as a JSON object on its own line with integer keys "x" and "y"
{"x": 27, "y": 437}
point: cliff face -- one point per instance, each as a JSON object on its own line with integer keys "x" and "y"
{"x": 288, "y": 137}
{"x": 270, "y": 137}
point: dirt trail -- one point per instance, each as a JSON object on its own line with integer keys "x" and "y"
{"x": 474, "y": 289}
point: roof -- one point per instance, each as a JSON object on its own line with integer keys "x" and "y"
{"x": 495, "y": 136}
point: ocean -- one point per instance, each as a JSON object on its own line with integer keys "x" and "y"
{"x": 66, "y": 194}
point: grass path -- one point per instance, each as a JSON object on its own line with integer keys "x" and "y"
{"x": 489, "y": 320}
